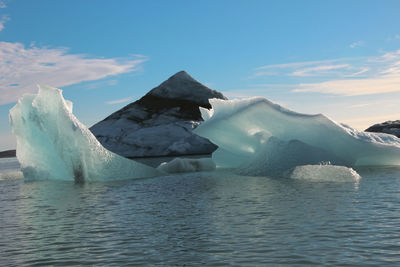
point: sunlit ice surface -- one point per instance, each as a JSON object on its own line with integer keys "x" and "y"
{"x": 258, "y": 137}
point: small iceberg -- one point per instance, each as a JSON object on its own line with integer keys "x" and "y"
{"x": 12, "y": 175}
{"x": 53, "y": 144}
{"x": 180, "y": 165}
{"x": 325, "y": 173}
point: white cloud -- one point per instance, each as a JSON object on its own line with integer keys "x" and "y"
{"x": 358, "y": 73}
{"x": 119, "y": 101}
{"x": 384, "y": 78}
{"x": 318, "y": 70}
{"x": 393, "y": 37}
{"x": 344, "y": 76}
{"x": 22, "y": 68}
{"x": 352, "y": 87}
{"x": 306, "y": 68}
{"x": 2, "y": 4}
{"x": 3, "y": 21}
{"x": 356, "y": 44}
{"x": 297, "y": 64}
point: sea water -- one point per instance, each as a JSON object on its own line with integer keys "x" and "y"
{"x": 204, "y": 219}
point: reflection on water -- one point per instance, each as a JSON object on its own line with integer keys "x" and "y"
{"x": 201, "y": 218}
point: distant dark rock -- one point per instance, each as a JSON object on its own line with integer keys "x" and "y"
{"x": 8, "y": 154}
{"x": 389, "y": 127}
{"x": 161, "y": 122}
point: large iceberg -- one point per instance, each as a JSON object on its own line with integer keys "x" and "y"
{"x": 259, "y": 137}
{"x": 53, "y": 144}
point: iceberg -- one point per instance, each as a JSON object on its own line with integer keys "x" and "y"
{"x": 179, "y": 165}
{"x": 259, "y": 137}
{"x": 53, "y": 144}
{"x": 326, "y": 173}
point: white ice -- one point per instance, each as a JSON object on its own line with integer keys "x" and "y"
{"x": 262, "y": 138}
{"x": 53, "y": 144}
{"x": 179, "y": 165}
{"x": 327, "y": 173}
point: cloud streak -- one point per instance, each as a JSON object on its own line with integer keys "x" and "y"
{"x": 319, "y": 70}
{"x": 119, "y": 101}
{"x": 384, "y": 77}
{"x": 353, "y": 87}
{"x": 3, "y": 21}
{"x": 308, "y": 68}
{"x": 356, "y": 44}
{"x": 22, "y": 68}
{"x": 346, "y": 77}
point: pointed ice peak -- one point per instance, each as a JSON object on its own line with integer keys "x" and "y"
{"x": 183, "y": 86}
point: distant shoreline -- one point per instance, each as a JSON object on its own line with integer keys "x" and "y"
{"x": 8, "y": 154}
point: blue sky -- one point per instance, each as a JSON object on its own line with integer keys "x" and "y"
{"x": 339, "y": 58}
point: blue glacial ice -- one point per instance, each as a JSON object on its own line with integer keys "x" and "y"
{"x": 258, "y": 137}
{"x": 53, "y": 144}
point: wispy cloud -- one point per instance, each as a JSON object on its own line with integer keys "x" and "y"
{"x": 352, "y": 87}
{"x": 3, "y": 21}
{"x": 307, "y": 68}
{"x": 119, "y": 101}
{"x": 318, "y": 70}
{"x": 297, "y": 64}
{"x": 22, "y": 68}
{"x": 393, "y": 37}
{"x": 3, "y": 4}
{"x": 344, "y": 76}
{"x": 384, "y": 77}
{"x": 356, "y": 44}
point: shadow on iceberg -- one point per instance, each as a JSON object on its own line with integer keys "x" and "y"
{"x": 53, "y": 144}
{"x": 258, "y": 137}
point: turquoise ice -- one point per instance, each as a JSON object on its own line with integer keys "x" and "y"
{"x": 53, "y": 144}
{"x": 259, "y": 137}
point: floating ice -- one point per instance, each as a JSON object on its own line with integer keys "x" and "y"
{"x": 53, "y": 144}
{"x": 179, "y": 165}
{"x": 11, "y": 175}
{"x": 262, "y": 138}
{"x": 326, "y": 173}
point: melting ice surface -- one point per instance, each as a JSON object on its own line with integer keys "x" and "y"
{"x": 53, "y": 144}
{"x": 259, "y": 137}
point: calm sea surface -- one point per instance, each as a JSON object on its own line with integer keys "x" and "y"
{"x": 207, "y": 219}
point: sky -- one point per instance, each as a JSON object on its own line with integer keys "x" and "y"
{"x": 338, "y": 58}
